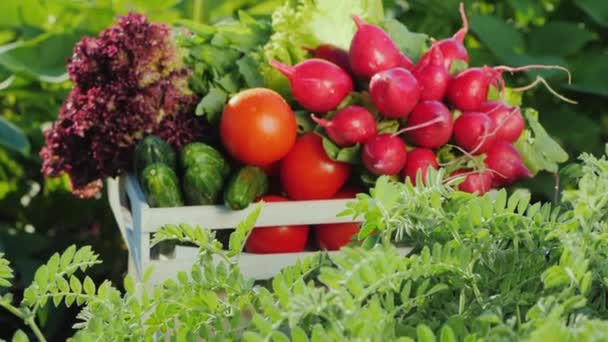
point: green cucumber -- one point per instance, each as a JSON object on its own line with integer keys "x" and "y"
{"x": 202, "y": 184}
{"x": 150, "y": 150}
{"x": 245, "y": 186}
{"x": 161, "y": 187}
{"x": 199, "y": 153}
{"x": 204, "y": 172}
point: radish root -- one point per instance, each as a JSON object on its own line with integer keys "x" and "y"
{"x": 551, "y": 90}
{"x": 415, "y": 127}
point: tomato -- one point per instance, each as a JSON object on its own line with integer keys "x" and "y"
{"x": 258, "y": 127}
{"x": 333, "y": 236}
{"x": 272, "y": 169}
{"x": 307, "y": 173}
{"x": 279, "y": 239}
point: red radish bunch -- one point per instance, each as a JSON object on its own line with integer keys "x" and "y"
{"x": 432, "y": 75}
{"x": 351, "y": 125}
{"x": 433, "y": 108}
{"x": 332, "y": 54}
{"x": 395, "y": 92}
{"x": 508, "y": 119}
{"x": 372, "y": 50}
{"x": 317, "y": 85}
{"x": 419, "y": 160}
{"x": 453, "y": 48}
{"x": 474, "y": 132}
{"x": 475, "y": 182}
{"x": 430, "y": 125}
{"x": 506, "y": 164}
{"x": 384, "y": 154}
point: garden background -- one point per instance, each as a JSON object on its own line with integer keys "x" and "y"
{"x": 39, "y": 216}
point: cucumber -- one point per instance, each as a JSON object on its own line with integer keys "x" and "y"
{"x": 199, "y": 153}
{"x": 150, "y": 150}
{"x": 204, "y": 172}
{"x": 160, "y": 186}
{"x": 245, "y": 186}
{"x": 202, "y": 184}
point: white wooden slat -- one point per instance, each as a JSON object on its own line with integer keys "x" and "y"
{"x": 257, "y": 266}
{"x": 221, "y": 217}
{"x": 138, "y": 220}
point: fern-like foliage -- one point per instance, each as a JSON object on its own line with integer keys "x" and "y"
{"x": 6, "y": 272}
{"x": 495, "y": 267}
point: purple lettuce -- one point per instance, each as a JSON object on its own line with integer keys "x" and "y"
{"x": 128, "y": 83}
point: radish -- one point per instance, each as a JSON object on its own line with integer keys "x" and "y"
{"x": 506, "y": 164}
{"x": 384, "y": 154}
{"x": 432, "y": 75}
{"x": 371, "y": 50}
{"x": 418, "y": 160}
{"x": 405, "y": 62}
{"x": 350, "y": 125}
{"x": 453, "y": 48}
{"x": 395, "y": 92}
{"x": 474, "y": 132}
{"x": 478, "y": 182}
{"x": 469, "y": 89}
{"x": 430, "y": 125}
{"x": 508, "y": 119}
{"x": 332, "y": 54}
{"x": 317, "y": 85}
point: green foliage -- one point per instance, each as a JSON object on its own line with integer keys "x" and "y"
{"x": 223, "y": 60}
{"x": 495, "y": 267}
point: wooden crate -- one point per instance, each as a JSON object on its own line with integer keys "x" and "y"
{"x": 137, "y": 222}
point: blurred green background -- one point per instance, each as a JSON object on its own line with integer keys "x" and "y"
{"x": 39, "y": 216}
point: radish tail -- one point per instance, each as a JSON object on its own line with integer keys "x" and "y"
{"x": 321, "y": 122}
{"x": 415, "y": 127}
{"x": 284, "y": 69}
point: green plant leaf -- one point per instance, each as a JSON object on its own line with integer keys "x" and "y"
{"x": 20, "y": 14}
{"x": 349, "y": 154}
{"x": 89, "y": 286}
{"x": 559, "y": 38}
{"x": 238, "y": 237}
{"x": 20, "y": 336}
{"x": 211, "y": 104}
{"x": 6, "y": 272}
{"x": 13, "y": 138}
{"x": 488, "y": 28}
{"x": 588, "y": 71}
{"x": 597, "y": 10}
{"x": 539, "y": 151}
{"x": 411, "y": 43}
{"x": 24, "y": 57}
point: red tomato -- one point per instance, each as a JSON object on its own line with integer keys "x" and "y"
{"x": 272, "y": 169}
{"x": 307, "y": 173}
{"x": 279, "y": 239}
{"x": 258, "y": 127}
{"x": 333, "y": 236}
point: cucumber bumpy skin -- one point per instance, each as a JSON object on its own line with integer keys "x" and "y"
{"x": 197, "y": 153}
{"x": 161, "y": 187}
{"x": 150, "y": 150}
{"x": 204, "y": 171}
{"x": 202, "y": 184}
{"x": 245, "y": 186}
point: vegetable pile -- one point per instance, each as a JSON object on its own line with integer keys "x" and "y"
{"x": 275, "y": 111}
